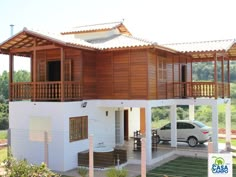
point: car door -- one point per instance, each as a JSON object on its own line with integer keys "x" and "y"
{"x": 186, "y": 130}
{"x": 164, "y": 132}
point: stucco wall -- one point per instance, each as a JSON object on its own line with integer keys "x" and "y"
{"x": 62, "y": 153}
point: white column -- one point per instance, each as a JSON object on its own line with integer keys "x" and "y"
{"x": 191, "y": 112}
{"x": 148, "y": 120}
{"x": 122, "y": 136}
{"x": 91, "y": 160}
{"x": 173, "y": 118}
{"x": 228, "y": 123}
{"x": 215, "y": 127}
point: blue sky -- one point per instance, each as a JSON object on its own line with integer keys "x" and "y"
{"x": 163, "y": 21}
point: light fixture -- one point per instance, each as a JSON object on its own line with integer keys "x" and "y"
{"x": 84, "y": 104}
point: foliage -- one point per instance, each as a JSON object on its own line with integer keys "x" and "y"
{"x": 205, "y": 71}
{"x": 19, "y": 76}
{"x": 82, "y": 171}
{"x": 113, "y": 172}
{"x": 3, "y": 154}
{"x": 160, "y": 113}
{"x": 19, "y": 168}
{"x": 3, "y": 134}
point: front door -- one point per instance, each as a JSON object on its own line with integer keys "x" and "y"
{"x": 54, "y": 71}
{"x": 126, "y": 125}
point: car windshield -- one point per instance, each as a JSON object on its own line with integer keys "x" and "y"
{"x": 199, "y": 124}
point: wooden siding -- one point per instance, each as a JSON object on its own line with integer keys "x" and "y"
{"x": 138, "y": 74}
{"x": 152, "y": 75}
{"x": 121, "y": 66}
{"x": 89, "y": 75}
{"x": 104, "y": 72}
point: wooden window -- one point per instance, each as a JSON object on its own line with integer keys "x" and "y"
{"x": 162, "y": 69}
{"x": 78, "y": 128}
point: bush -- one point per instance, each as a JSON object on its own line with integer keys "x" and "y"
{"x": 82, "y": 171}
{"x": 20, "y": 168}
{"x": 113, "y": 172}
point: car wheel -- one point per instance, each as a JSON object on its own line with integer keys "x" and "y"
{"x": 192, "y": 141}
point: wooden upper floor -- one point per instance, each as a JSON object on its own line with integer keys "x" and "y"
{"x": 114, "y": 66}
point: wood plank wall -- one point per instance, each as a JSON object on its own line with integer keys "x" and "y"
{"x": 122, "y": 74}
{"x": 127, "y": 74}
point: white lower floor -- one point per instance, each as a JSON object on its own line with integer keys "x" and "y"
{"x": 40, "y": 131}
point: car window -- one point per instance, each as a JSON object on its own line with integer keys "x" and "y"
{"x": 184, "y": 125}
{"x": 199, "y": 124}
{"x": 166, "y": 127}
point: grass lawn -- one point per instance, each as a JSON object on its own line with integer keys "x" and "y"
{"x": 184, "y": 167}
{"x": 3, "y": 154}
{"x": 3, "y": 134}
{"x": 233, "y": 141}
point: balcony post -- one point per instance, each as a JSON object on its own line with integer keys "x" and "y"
{"x": 62, "y": 75}
{"x": 11, "y": 69}
{"x": 223, "y": 76}
{"x": 215, "y": 77}
{"x": 34, "y": 71}
{"x": 228, "y": 69}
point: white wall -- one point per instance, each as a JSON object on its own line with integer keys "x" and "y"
{"x": 62, "y": 153}
{"x": 134, "y": 121}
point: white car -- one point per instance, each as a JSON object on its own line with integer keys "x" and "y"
{"x": 192, "y": 132}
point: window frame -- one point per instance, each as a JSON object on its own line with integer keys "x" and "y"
{"x": 162, "y": 69}
{"x": 78, "y": 128}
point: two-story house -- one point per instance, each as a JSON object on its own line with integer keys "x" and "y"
{"x": 101, "y": 80}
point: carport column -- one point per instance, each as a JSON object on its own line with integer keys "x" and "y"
{"x": 191, "y": 112}
{"x": 228, "y": 123}
{"x": 173, "y": 118}
{"x": 215, "y": 126}
{"x": 148, "y": 121}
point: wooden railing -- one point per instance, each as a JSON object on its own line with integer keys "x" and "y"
{"x": 45, "y": 91}
{"x": 201, "y": 89}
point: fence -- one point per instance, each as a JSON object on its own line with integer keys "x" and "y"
{"x": 98, "y": 156}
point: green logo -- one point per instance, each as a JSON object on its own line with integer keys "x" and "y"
{"x": 219, "y": 165}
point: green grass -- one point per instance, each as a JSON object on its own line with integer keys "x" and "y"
{"x": 3, "y": 154}
{"x": 184, "y": 167}
{"x": 233, "y": 141}
{"x": 3, "y": 134}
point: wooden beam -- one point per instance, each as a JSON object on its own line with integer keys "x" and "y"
{"x": 215, "y": 77}
{"x": 223, "y": 75}
{"x": 11, "y": 69}
{"x": 62, "y": 75}
{"x": 34, "y": 70}
{"x": 30, "y": 49}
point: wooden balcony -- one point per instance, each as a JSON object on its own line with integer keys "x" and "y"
{"x": 45, "y": 91}
{"x": 201, "y": 89}
{"x": 52, "y": 91}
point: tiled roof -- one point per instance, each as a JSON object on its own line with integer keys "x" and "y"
{"x": 114, "y": 42}
{"x": 204, "y": 46}
{"x": 120, "y": 41}
{"x": 95, "y": 27}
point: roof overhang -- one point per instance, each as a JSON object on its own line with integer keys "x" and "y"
{"x": 24, "y": 42}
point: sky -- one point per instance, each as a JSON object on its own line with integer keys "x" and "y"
{"x": 161, "y": 21}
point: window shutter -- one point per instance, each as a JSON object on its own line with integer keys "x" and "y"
{"x": 42, "y": 70}
{"x": 67, "y": 70}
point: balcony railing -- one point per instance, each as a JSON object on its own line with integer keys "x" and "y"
{"x": 201, "y": 89}
{"x": 52, "y": 91}
{"x": 45, "y": 91}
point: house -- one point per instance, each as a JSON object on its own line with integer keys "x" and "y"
{"x": 101, "y": 80}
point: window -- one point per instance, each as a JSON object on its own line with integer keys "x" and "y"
{"x": 183, "y": 125}
{"x": 162, "y": 68}
{"x": 78, "y": 128}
